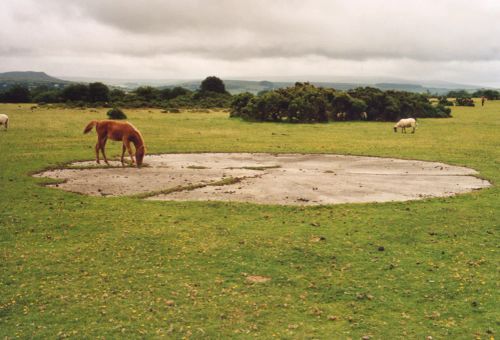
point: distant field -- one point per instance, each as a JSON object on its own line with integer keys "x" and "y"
{"x": 73, "y": 265}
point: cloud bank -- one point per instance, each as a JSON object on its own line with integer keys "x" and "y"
{"x": 455, "y": 40}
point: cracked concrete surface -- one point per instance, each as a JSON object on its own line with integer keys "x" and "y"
{"x": 290, "y": 179}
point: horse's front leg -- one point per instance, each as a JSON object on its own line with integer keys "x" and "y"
{"x": 129, "y": 149}
{"x": 123, "y": 154}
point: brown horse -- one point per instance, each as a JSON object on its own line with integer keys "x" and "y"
{"x": 117, "y": 131}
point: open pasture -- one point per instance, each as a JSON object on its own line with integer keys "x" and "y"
{"x": 86, "y": 266}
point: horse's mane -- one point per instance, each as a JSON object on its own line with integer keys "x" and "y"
{"x": 137, "y": 136}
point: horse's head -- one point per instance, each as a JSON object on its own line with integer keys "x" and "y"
{"x": 139, "y": 155}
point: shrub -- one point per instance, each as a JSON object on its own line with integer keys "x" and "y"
{"x": 464, "y": 102}
{"x": 238, "y": 103}
{"x": 444, "y": 101}
{"x": 115, "y": 113}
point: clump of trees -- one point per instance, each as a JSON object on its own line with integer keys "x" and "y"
{"x": 306, "y": 103}
{"x": 458, "y": 94}
{"x": 16, "y": 94}
{"x": 488, "y": 94}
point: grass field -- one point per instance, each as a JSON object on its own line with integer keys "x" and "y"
{"x": 72, "y": 265}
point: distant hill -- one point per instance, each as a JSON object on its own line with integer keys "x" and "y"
{"x": 30, "y": 79}
{"x": 239, "y": 86}
{"x": 235, "y": 86}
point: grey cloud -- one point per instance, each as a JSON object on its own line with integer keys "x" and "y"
{"x": 335, "y": 29}
{"x": 241, "y": 35}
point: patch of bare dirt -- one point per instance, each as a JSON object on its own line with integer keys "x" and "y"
{"x": 291, "y": 179}
{"x": 258, "y": 279}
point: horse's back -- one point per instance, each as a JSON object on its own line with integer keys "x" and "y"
{"x": 115, "y": 130}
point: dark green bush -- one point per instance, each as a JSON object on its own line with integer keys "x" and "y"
{"x": 238, "y": 104}
{"x": 115, "y": 113}
{"x": 305, "y": 103}
{"x": 464, "y": 102}
{"x": 444, "y": 101}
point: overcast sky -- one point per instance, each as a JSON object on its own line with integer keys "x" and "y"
{"x": 450, "y": 40}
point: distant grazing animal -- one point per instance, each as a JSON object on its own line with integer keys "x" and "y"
{"x": 364, "y": 115}
{"x": 4, "y": 120}
{"x": 404, "y": 123}
{"x": 117, "y": 131}
{"x": 341, "y": 116}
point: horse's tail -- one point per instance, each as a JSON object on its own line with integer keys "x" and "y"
{"x": 89, "y": 126}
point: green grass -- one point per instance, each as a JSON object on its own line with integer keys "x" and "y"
{"x": 72, "y": 265}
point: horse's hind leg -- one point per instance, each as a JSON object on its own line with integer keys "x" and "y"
{"x": 97, "y": 147}
{"x": 6, "y": 124}
{"x": 102, "y": 145}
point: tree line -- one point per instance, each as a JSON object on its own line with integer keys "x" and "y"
{"x": 486, "y": 93}
{"x": 464, "y": 98}
{"x": 303, "y": 102}
{"x": 306, "y": 103}
{"x": 212, "y": 93}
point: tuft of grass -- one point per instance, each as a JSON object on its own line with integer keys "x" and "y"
{"x": 222, "y": 182}
{"x": 199, "y": 167}
{"x": 258, "y": 168}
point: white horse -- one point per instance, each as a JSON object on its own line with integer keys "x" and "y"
{"x": 364, "y": 116}
{"x": 4, "y": 120}
{"x": 406, "y": 123}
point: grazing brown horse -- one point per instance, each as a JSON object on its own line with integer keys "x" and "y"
{"x": 117, "y": 131}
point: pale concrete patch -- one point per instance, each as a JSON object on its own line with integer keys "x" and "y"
{"x": 292, "y": 179}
